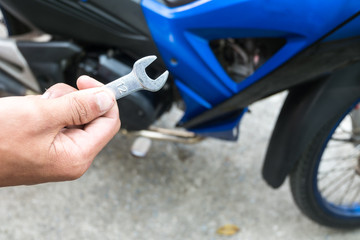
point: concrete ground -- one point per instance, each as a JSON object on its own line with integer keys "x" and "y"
{"x": 177, "y": 192}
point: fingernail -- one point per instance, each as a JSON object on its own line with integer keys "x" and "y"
{"x": 104, "y": 101}
{"x": 46, "y": 95}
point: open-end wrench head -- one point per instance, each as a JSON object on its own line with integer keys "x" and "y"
{"x": 147, "y": 82}
{"x": 144, "y": 62}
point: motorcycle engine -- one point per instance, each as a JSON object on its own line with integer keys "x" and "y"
{"x": 137, "y": 110}
{"x": 240, "y": 58}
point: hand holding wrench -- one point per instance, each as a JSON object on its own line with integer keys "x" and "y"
{"x": 137, "y": 79}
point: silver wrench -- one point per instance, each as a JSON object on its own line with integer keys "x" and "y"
{"x": 137, "y": 79}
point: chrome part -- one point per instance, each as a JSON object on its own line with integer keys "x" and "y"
{"x": 164, "y": 134}
{"x": 13, "y": 63}
{"x": 146, "y": 82}
{"x": 137, "y": 79}
{"x": 140, "y": 147}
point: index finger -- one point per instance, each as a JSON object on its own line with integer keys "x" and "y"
{"x": 85, "y": 82}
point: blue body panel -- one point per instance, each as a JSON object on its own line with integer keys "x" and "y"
{"x": 351, "y": 29}
{"x": 182, "y": 35}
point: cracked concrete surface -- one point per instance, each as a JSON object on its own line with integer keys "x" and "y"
{"x": 177, "y": 192}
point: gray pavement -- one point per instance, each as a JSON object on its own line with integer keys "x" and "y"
{"x": 177, "y": 192}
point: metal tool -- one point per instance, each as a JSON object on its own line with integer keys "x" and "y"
{"x": 137, "y": 79}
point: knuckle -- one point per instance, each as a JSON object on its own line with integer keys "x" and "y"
{"x": 58, "y": 85}
{"x": 79, "y": 111}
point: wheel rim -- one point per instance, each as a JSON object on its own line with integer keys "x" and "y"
{"x": 337, "y": 178}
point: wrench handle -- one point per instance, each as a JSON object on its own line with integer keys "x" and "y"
{"x": 124, "y": 86}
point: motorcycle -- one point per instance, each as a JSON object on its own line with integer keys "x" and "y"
{"x": 222, "y": 56}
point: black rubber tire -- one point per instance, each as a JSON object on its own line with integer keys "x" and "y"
{"x": 302, "y": 180}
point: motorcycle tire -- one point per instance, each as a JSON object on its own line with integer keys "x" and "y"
{"x": 325, "y": 183}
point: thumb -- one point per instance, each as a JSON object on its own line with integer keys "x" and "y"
{"x": 81, "y": 107}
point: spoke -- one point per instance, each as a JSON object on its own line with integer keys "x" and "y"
{"x": 324, "y": 174}
{"x": 334, "y": 184}
{"x": 347, "y": 189}
{"x": 338, "y": 181}
{"x": 330, "y": 183}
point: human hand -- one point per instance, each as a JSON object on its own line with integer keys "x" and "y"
{"x": 56, "y": 136}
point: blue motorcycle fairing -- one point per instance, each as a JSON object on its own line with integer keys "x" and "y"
{"x": 182, "y": 35}
{"x": 349, "y": 30}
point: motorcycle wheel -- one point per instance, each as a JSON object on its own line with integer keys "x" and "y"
{"x": 325, "y": 184}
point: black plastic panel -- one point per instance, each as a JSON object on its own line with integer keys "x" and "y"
{"x": 48, "y": 60}
{"x": 109, "y": 23}
{"x": 137, "y": 111}
{"x": 13, "y": 25}
{"x": 176, "y": 3}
